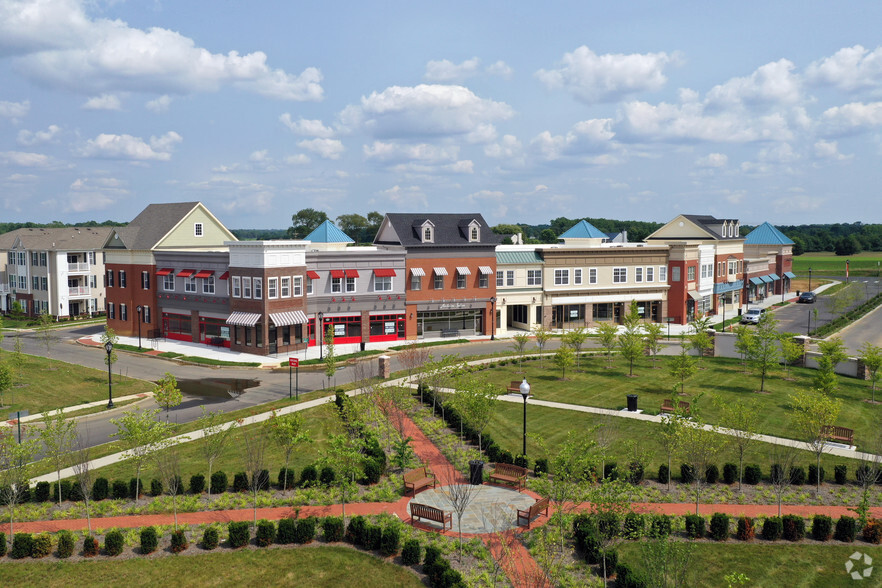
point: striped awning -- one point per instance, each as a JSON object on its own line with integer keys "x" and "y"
{"x": 385, "y": 273}
{"x": 417, "y": 271}
{"x": 352, "y": 274}
{"x": 224, "y": 276}
{"x": 293, "y": 317}
{"x": 243, "y": 319}
{"x": 165, "y": 271}
{"x": 440, "y": 271}
{"x": 312, "y": 275}
{"x": 463, "y": 271}
{"x": 790, "y": 275}
{"x": 204, "y": 274}
{"x": 186, "y": 273}
{"x": 338, "y": 274}
{"x": 485, "y": 270}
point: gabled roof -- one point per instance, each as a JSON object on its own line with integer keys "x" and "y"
{"x": 57, "y": 239}
{"x": 450, "y": 230}
{"x": 707, "y": 223}
{"x": 327, "y": 232}
{"x": 148, "y": 229}
{"x": 700, "y": 227}
{"x": 583, "y": 230}
{"x": 766, "y": 234}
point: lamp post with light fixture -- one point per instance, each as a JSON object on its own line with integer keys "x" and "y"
{"x": 140, "y": 309}
{"x": 320, "y": 333}
{"x": 493, "y": 318}
{"x": 525, "y": 392}
{"x": 109, "y": 348}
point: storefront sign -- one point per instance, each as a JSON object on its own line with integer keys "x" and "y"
{"x": 339, "y": 330}
{"x": 225, "y": 332}
{"x": 451, "y": 305}
{"x": 574, "y": 314}
{"x": 390, "y": 327}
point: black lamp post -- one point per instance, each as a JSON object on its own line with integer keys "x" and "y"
{"x": 321, "y": 333}
{"x": 140, "y": 309}
{"x": 810, "y": 279}
{"x": 723, "y": 303}
{"x": 493, "y": 318}
{"x": 525, "y": 392}
{"x": 109, "y": 348}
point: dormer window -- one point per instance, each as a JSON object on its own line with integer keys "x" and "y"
{"x": 474, "y": 232}
{"x": 197, "y": 229}
{"x": 428, "y": 232}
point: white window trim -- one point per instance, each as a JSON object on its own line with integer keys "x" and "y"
{"x": 285, "y": 287}
{"x": 592, "y": 275}
{"x": 165, "y": 283}
{"x": 561, "y": 277}
{"x": 208, "y": 285}
{"x": 246, "y": 287}
{"x": 297, "y": 286}
{"x": 650, "y": 274}
{"x": 354, "y": 284}
{"x": 638, "y": 275}
{"x": 624, "y": 275}
{"x": 198, "y": 230}
{"x": 337, "y": 285}
{"x": 391, "y": 285}
{"x": 662, "y": 273}
{"x": 257, "y": 288}
{"x": 272, "y": 288}
{"x": 190, "y": 285}
{"x": 577, "y": 276}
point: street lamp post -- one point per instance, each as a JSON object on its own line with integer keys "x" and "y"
{"x": 140, "y": 309}
{"x": 723, "y": 301}
{"x": 525, "y": 392}
{"x": 109, "y": 348}
{"x": 810, "y": 279}
{"x": 493, "y": 318}
{"x": 320, "y": 333}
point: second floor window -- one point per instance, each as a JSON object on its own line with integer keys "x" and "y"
{"x": 534, "y": 277}
{"x": 109, "y": 279}
{"x": 208, "y": 285}
{"x": 350, "y": 284}
{"x": 336, "y": 285}
{"x": 168, "y": 283}
{"x": 145, "y": 280}
{"x": 122, "y": 278}
{"x": 561, "y": 277}
{"x": 190, "y": 284}
{"x": 383, "y": 283}
{"x": 620, "y": 275}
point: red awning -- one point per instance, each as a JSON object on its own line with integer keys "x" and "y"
{"x": 164, "y": 271}
{"x": 224, "y": 276}
{"x": 384, "y": 273}
{"x": 351, "y": 274}
{"x": 312, "y": 275}
{"x": 204, "y": 274}
{"x": 337, "y": 274}
{"x": 186, "y": 273}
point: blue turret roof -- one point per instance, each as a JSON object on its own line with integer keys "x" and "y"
{"x": 583, "y": 230}
{"x": 766, "y": 234}
{"x": 328, "y": 233}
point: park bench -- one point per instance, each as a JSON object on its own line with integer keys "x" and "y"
{"x": 531, "y": 513}
{"x": 515, "y": 386}
{"x": 509, "y": 474}
{"x": 424, "y": 511}
{"x": 417, "y": 479}
{"x": 450, "y": 332}
{"x": 842, "y": 434}
{"x": 668, "y": 406}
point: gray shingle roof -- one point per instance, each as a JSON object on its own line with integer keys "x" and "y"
{"x": 451, "y": 230}
{"x": 57, "y": 239}
{"x": 706, "y": 222}
{"x": 154, "y": 222}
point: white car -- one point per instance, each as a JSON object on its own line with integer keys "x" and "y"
{"x": 752, "y": 316}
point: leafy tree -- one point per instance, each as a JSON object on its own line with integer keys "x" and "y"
{"x": 575, "y": 339}
{"x": 330, "y": 357}
{"x": 611, "y": 501}
{"x": 670, "y": 426}
{"x": 46, "y": 332}
{"x": 607, "y": 333}
{"x": 109, "y": 335}
{"x": 791, "y": 351}
{"x": 563, "y": 358}
{"x": 652, "y": 335}
{"x": 353, "y": 225}
{"x": 631, "y": 341}
{"x": 253, "y": 446}
{"x": 547, "y": 236}
{"x": 682, "y": 367}
{"x": 765, "y": 353}
{"x": 742, "y": 420}
{"x": 166, "y": 393}
{"x": 288, "y": 432}
{"x": 781, "y": 459}
{"x": 667, "y": 561}
{"x": 832, "y": 354}
{"x": 305, "y": 221}
{"x": 17, "y": 311}
{"x": 15, "y": 470}
{"x": 58, "y": 436}
{"x": 699, "y": 444}
{"x": 744, "y": 341}
{"x": 542, "y": 335}
{"x": 477, "y": 400}
{"x": 141, "y": 432}
{"x": 700, "y": 340}
{"x": 507, "y": 230}
{"x": 345, "y": 455}
{"x": 871, "y": 357}
{"x": 216, "y": 436}
{"x": 813, "y": 412}
{"x": 519, "y": 343}
{"x": 5, "y": 380}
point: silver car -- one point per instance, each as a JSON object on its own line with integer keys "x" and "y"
{"x": 752, "y": 316}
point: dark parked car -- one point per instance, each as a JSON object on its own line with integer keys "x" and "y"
{"x": 807, "y": 298}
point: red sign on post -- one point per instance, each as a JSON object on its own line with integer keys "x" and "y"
{"x": 293, "y": 362}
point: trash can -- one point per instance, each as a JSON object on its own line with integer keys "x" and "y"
{"x": 632, "y": 403}
{"x": 476, "y": 472}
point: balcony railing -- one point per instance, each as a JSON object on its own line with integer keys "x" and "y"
{"x": 79, "y": 291}
{"x": 78, "y": 267}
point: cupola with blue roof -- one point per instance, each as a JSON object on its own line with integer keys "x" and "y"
{"x": 766, "y": 234}
{"x": 327, "y": 232}
{"x": 583, "y": 234}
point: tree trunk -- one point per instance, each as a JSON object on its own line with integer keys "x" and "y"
{"x": 88, "y": 516}
{"x": 209, "y": 480}
{"x": 285, "y": 480}
{"x": 740, "y": 469}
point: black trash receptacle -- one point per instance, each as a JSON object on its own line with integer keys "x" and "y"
{"x": 632, "y": 403}
{"x": 476, "y": 472}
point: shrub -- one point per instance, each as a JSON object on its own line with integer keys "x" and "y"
{"x": 90, "y": 546}
{"x": 390, "y": 541}
{"x": 660, "y": 526}
{"x": 846, "y": 529}
{"x": 76, "y": 493}
{"x": 100, "y": 489}
{"x": 635, "y": 525}
{"x": 635, "y": 472}
{"x": 687, "y": 474}
{"x": 155, "y": 487}
{"x": 356, "y": 530}
{"x": 712, "y": 474}
{"x": 41, "y": 492}
{"x": 822, "y": 528}
{"x": 663, "y": 474}
{"x": 120, "y": 490}
{"x": 239, "y": 534}
{"x": 332, "y": 527}
{"x": 813, "y": 474}
{"x": 612, "y": 560}
{"x": 797, "y": 475}
{"x": 263, "y": 480}
{"x": 449, "y": 579}
{"x": 240, "y": 482}
{"x": 373, "y": 537}
{"x": 210, "y": 538}
{"x": 2, "y": 544}
{"x": 506, "y": 457}
{"x": 197, "y": 484}
{"x": 133, "y": 486}
{"x": 326, "y": 477}
{"x": 628, "y": 578}
{"x": 65, "y": 491}
{"x": 286, "y": 531}
{"x": 42, "y": 545}
{"x": 793, "y": 527}
{"x": 266, "y": 533}
{"x": 179, "y": 541}
{"x": 149, "y": 540}
{"x": 114, "y": 542}
{"x": 433, "y": 554}
{"x": 410, "y": 553}
{"x": 772, "y": 529}
{"x": 493, "y": 451}
{"x": 219, "y": 482}
{"x": 22, "y": 543}
{"x": 610, "y": 471}
{"x": 522, "y": 461}
{"x": 695, "y": 526}
{"x": 872, "y": 531}
{"x": 776, "y": 472}
{"x": 719, "y": 527}
{"x": 308, "y": 476}
{"x": 66, "y": 544}
{"x": 730, "y": 473}
{"x": 541, "y": 466}
{"x": 840, "y": 473}
{"x": 752, "y": 474}
{"x": 286, "y": 478}
{"x": 304, "y": 530}
{"x": 745, "y": 530}
{"x": 372, "y": 471}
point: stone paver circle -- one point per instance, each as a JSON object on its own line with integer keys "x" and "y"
{"x": 491, "y": 508}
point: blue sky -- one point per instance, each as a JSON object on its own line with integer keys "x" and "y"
{"x": 638, "y": 110}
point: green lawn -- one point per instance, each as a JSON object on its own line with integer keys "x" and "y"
{"x": 828, "y": 264}
{"x": 595, "y": 385}
{"x": 771, "y": 565}
{"x": 313, "y": 567}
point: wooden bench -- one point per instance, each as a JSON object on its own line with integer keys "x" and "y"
{"x": 668, "y": 406}
{"x": 515, "y": 386}
{"x": 531, "y": 513}
{"x": 450, "y": 332}
{"x": 509, "y": 474}
{"x": 842, "y": 434}
{"x": 424, "y": 511}
{"x": 417, "y": 479}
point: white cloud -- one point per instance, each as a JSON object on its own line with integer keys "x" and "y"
{"x": 829, "y": 150}
{"x": 778, "y": 153}
{"x": 238, "y": 196}
{"x": 129, "y": 147}
{"x": 849, "y": 69}
{"x": 407, "y": 197}
{"x": 771, "y": 83}
{"x": 397, "y": 152}
{"x": 22, "y": 178}
{"x": 500, "y": 68}
{"x": 850, "y": 117}
{"x": 89, "y": 201}
{"x": 14, "y": 110}
{"x": 24, "y": 159}
{"x": 259, "y": 156}
{"x": 325, "y": 148}
{"x": 446, "y": 71}
{"x": 585, "y": 137}
{"x": 495, "y": 200}
{"x": 298, "y": 159}
{"x": 606, "y": 78}
{"x": 160, "y": 105}
{"x": 60, "y": 44}
{"x": 29, "y": 138}
{"x": 103, "y": 102}
{"x": 712, "y": 160}
{"x": 307, "y": 128}
{"x": 507, "y": 148}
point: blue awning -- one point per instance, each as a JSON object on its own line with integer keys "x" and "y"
{"x": 756, "y": 281}
{"x": 774, "y": 277}
{"x": 790, "y": 275}
{"x": 723, "y": 287}
{"x": 766, "y": 279}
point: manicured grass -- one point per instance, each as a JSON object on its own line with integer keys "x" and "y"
{"x": 37, "y": 386}
{"x": 770, "y": 565}
{"x": 829, "y": 264}
{"x": 325, "y": 566}
{"x": 595, "y": 385}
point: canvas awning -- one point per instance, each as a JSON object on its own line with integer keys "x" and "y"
{"x": 440, "y": 271}
{"x": 417, "y": 271}
{"x": 766, "y": 279}
{"x": 384, "y": 273}
{"x": 243, "y": 319}
{"x": 338, "y": 274}
{"x": 186, "y": 273}
{"x": 774, "y": 277}
{"x": 224, "y": 276}
{"x": 312, "y": 275}
{"x": 790, "y": 275}
{"x": 352, "y": 273}
{"x": 756, "y": 281}
{"x": 463, "y": 271}
{"x": 485, "y": 270}
{"x": 694, "y": 295}
{"x": 293, "y": 317}
{"x": 164, "y": 271}
{"x": 204, "y": 274}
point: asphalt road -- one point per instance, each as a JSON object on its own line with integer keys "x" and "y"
{"x": 794, "y": 318}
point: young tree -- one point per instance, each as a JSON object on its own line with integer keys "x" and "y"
{"x": 667, "y": 561}
{"x": 611, "y": 502}
{"x": 519, "y": 344}
{"x": 699, "y": 443}
{"x": 575, "y": 339}
{"x": 607, "y": 333}
{"x": 477, "y": 400}
{"x": 58, "y": 436}
{"x": 109, "y": 336}
{"x": 606, "y": 434}
{"x": 791, "y": 351}
{"x": 168, "y": 465}
{"x": 5, "y": 380}
{"x": 330, "y": 357}
{"x": 563, "y": 358}
{"x": 700, "y": 340}
{"x": 345, "y": 455}
{"x": 813, "y": 412}
{"x": 166, "y": 393}
{"x": 670, "y": 427}
{"x": 781, "y": 461}
{"x": 871, "y": 357}
{"x": 46, "y": 332}
{"x": 682, "y": 367}
{"x": 631, "y": 341}
{"x": 765, "y": 353}
{"x": 542, "y": 336}
{"x": 17, "y": 360}
{"x": 742, "y": 420}
{"x": 288, "y": 432}
{"x": 82, "y": 468}
{"x": 414, "y": 357}
{"x": 869, "y": 473}
{"x": 744, "y": 341}
{"x": 253, "y": 446}
{"x": 652, "y": 335}
{"x": 15, "y": 470}
{"x": 438, "y": 376}
{"x": 141, "y": 432}
{"x": 216, "y": 436}
{"x": 459, "y": 496}
{"x": 832, "y": 354}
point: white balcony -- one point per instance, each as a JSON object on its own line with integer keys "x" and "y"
{"x": 77, "y": 291}
{"x": 78, "y": 268}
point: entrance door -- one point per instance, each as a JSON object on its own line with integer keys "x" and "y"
{"x": 273, "y": 342}
{"x": 74, "y": 308}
